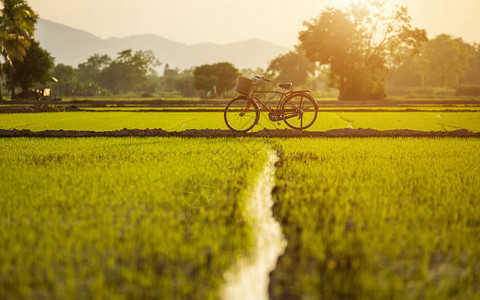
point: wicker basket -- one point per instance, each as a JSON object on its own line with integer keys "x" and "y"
{"x": 244, "y": 86}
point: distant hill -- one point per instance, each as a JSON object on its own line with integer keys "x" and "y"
{"x": 72, "y": 46}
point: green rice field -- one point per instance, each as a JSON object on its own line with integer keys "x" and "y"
{"x": 178, "y": 121}
{"x": 365, "y": 218}
{"x": 378, "y": 219}
{"x": 128, "y": 218}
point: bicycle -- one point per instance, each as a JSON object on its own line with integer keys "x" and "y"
{"x": 298, "y": 109}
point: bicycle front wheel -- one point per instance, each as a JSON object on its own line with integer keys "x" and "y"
{"x": 299, "y": 111}
{"x": 241, "y": 114}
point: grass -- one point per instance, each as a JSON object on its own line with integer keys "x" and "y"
{"x": 424, "y": 121}
{"x": 122, "y": 218}
{"x": 178, "y": 121}
{"x": 378, "y": 219}
{"x": 163, "y": 217}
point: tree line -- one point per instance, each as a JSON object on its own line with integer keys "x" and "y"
{"x": 361, "y": 50}
{"x": 136, "y": 74}
{"x": 102, "y": 75}
{"x": 442, "y": 62}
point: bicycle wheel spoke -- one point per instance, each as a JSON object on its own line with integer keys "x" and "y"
{"x": 299, "y": 111}
{"x": 241, "y": 114}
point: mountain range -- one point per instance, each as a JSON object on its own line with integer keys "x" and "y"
{"x": 72, "y": 46}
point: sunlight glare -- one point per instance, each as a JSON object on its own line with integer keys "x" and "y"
{"x": 347, "y": 3}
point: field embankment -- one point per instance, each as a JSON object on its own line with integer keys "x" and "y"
{"x": 216, "y": 133}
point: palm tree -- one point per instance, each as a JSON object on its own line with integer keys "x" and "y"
{"x": 17, "y": 26}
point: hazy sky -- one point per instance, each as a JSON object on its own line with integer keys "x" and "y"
{"x": 224, "y": 21}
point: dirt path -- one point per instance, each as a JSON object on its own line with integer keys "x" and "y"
{"x": 250, "y": 277}
{"x": 212, "y": 133}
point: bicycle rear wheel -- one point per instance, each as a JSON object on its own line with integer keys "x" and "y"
{"x": 299, "y": 111}
{"x": 241, "y": 114}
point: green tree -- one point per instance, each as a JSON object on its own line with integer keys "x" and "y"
{"x": 408, "y": 73}
{"x": 443, "y": 62}
{"x": 205, "y": 84}
{"x": 227, "y": 76}
{"x": 169, "y": 79}
{"x": 446, "y": 60}
{"x": 359, "y": 43}
{"x": 169, "y": 72}
{"x": 184, "y": 83}
{"x": 17, "y": 27}
{"x": 292, "y": 66}
{"x": 67, "y": 84}
{"x": 88, "y": 74}
{"x": 215, "y": 78}
{"x": 129, "y": 72}
{"x": 90, "y": 70}
{"x": 35, "y": 67}
{"x": 473, "y": 71}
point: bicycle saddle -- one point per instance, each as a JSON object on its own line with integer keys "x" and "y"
{"x": 287, "y": 85}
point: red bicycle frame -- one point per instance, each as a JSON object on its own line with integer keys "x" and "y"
{"x": 283, "y": 98}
